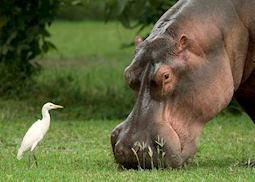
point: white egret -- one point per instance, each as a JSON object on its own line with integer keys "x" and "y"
{"x": 36, "y": 132}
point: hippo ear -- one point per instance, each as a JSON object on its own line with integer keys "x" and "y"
{"x": 192, "y": 45}
{"x": 138, "y": 41}
{"x": 182, "y": 43}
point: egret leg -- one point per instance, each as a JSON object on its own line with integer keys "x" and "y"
{"x": 32, "y": 151}
{"x": 36, "y": 163}
{"x": 29, "y": 161}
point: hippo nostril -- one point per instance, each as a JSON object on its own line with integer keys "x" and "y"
{"x": 127, "y": 76}
{"x": 114, "y": 137}
{"x": 115, "y": 133}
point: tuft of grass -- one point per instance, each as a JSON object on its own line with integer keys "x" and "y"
{"x": 160, "y": 151}
{"x": 80, "y": 150}
{"x": 140, "y": 146}
{"x": 150, "y": 152}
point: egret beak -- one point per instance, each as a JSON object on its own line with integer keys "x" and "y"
{"x": 58, "y": 107}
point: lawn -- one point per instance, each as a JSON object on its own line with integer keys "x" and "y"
{"x": 80, "y": 151}
{"x": 85, "y": 75}
{"x": 79, "y": 40}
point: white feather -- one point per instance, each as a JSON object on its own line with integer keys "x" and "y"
{"x": 33, "y": 136}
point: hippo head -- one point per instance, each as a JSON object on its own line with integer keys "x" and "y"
{"x": 180, "y": 84}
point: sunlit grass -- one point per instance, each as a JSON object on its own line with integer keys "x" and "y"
{"x": 80, "y": 151}
{"x": 76, "y": 40}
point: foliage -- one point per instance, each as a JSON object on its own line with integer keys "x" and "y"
{"x": 80, "y": 151}
{"x": 140, "y": 13}
{"x": 79, "y": 10}
{"x": 130, "y": 13}
{"x": 23, "y": 36}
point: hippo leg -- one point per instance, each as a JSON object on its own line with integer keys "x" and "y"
{"x": 246, "y": 98}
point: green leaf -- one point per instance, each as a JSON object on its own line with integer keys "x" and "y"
{"x": 22, "y": 34}
{"x": 11, "y": 37}
{"x": 76, "y": 3}
{"x": 3, "y": 21}
{"x": 121, "y": 5}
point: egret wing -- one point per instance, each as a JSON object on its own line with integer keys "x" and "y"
{"x": 32, "y": 135}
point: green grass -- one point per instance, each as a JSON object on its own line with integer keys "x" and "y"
{"x": 79, "y": 40}
{"x": 80, "y": 151}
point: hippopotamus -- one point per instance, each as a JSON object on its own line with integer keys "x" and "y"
{"x": 198, "y": 57}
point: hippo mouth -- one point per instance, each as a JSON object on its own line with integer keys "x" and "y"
{"x": 161, "y": 149}
{"x": 157, "y": 155}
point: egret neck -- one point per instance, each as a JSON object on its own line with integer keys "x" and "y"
{"x": 45, "y": 119}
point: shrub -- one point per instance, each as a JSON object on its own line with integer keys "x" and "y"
{"x": 140, "y": 13}
{"x": 82, "y": 10}
{"x": 23, "y": 36}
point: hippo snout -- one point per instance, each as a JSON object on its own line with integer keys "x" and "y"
{"x": 122, "y": 148}
{"x": 141, "y": 150}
